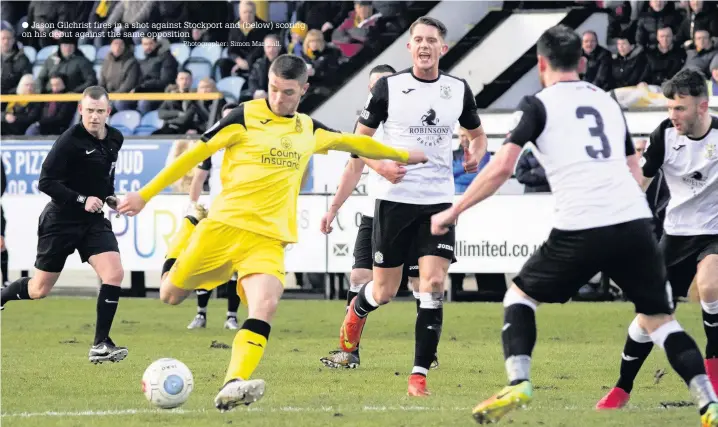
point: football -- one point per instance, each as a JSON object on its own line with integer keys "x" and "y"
{"x": 167, "y": 383}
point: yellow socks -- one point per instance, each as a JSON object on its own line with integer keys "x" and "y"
{"x": 247, "y": 349}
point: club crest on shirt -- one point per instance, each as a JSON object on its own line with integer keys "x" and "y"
{"x": 286, "y": 143}
{"x": 298, "y": 126}
{"x": 445, "y": 92}
{"x": 710, "y": 151}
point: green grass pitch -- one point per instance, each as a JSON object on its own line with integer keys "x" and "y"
{"x": 47, "y": 380}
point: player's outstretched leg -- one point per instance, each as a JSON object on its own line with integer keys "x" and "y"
{"x": 263, "y": 293}
{"x": 636, "y": 350}
{"x": 339, "y": 358}
{"x": 519, "y": 337}
{"x": 232, "y": 305}
{"x": 707, "y": 282}
{"x": 685, "y": 358}
{"x": 200, "y": 319}
{"x": 196, "y": 213}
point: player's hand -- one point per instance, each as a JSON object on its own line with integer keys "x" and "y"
{"x": 112, "y": 202}
{"x": 131, "y": 205}
{"x": 327, "y": 219}
{"x": 471, "y": 165}
{"x": 393, "y": 171}
{"x": 440, "y": 222}
{"x": 93, "y": 204}
{"x": 2, "y": 243}
{"x": 416, "y": 157}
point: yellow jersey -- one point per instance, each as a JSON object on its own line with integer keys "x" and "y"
{"x": 264, "y": 161}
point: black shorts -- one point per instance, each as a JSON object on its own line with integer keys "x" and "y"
{"x": 363, "y": 253}
{"x": 60, "y": 233}
{"x": 627, "y": 252}
{"x": 402, "y": 227}
{"x": 682, "y": 255}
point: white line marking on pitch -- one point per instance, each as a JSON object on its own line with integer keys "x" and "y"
{"x": 91, "y": 413}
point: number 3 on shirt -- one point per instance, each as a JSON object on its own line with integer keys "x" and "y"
{"x": 595, "y": 131}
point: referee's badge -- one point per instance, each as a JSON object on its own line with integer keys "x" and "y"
{"x": 445, "y": 92}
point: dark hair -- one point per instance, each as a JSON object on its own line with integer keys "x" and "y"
{"x": 58, "y": 75}
{"x": 595, "y": 36}
{"x": 432, "y": 22}
{"x": 185, "y": 70}
{"x": 687, "y": 82}
{"x": 229, "y": 106}
{"x": 95, "y": 92}
{"x": 561, "y": 46}
{"x": 383, "y": 68}
{"x": 290, "y": 67}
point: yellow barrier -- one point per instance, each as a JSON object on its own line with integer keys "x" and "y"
{"x": 158, "y": 96}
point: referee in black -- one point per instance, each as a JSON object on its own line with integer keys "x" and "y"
{"x": 79, "y": 175}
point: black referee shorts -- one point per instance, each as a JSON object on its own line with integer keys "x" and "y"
{"x": 682, "y": 255}
{"x": 627, "y": 252}
{"x": 60, "y": 233}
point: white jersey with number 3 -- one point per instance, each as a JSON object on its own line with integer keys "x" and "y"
{"x": 582, "y": 141}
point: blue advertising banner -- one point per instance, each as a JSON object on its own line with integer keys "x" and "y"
{"x": 139, "y": 161}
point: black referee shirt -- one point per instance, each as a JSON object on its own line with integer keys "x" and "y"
{"x": 79, "y": 166}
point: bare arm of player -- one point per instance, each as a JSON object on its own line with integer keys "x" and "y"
{"x": 392, "y": 171}
{"x": 195, "y": 187}
{"x": 347, "y": 184}
{"x": 477, "y": 148}
{"x": 490, "y": 179}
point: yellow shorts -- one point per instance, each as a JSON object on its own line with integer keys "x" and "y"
{"x": 216, "y": 250}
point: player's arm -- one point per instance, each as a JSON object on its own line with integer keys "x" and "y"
{"x": 654, "y": 156}
{"x": 471, "y": 121}
{"x": 361, "y": 145}
{"x": 200, "y": 176}
{"x": 224, "y": 133}
{"x": 228, "y": 131}
{"x": 348, "y": 182}
{"x": 531, "y": 122}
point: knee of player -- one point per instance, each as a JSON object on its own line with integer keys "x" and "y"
{"x": 707, "y": 274}
{"x": 114, "y": 276}
{"x": 360, "y": 276}
{"x": 432, "y": 283}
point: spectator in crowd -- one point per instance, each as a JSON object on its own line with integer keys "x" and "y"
{"x": 322, "y": 60}
{"x": 53, "y": 12}
{"x": 354, "y": 32}
{"x": 134, "y": 15}
{"x": 14, "y": 62}
{"x": 71, "y": 62}
{"x": 244, "y": 42}
{"x": 18, "y": 115}
{"x": 178, "y": 116}
{"x": 98, "y": 15}
{"x": 531, "y": 174}
{"x": 323, "y": 16}
{"x": 204, "y": 112}
{"x": 701, "y": 15}
{"x": 660, "y": 14}
{"x": 298, "y": 33}
{"x": 158, "y": 70}
{"x": 714, "y": 77}
{"x": 120, "y": 71}
{"x": 462, "y": 179}
{"x": 703, "y": 54}
{"x": 665, "y": 60}
{"x": 628, "y": 64}
{"x": 598, "y": 61}
{"x": 258, "y": 82}
{"x": 621, "y": 15}
{"x": 55, "y": 117}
